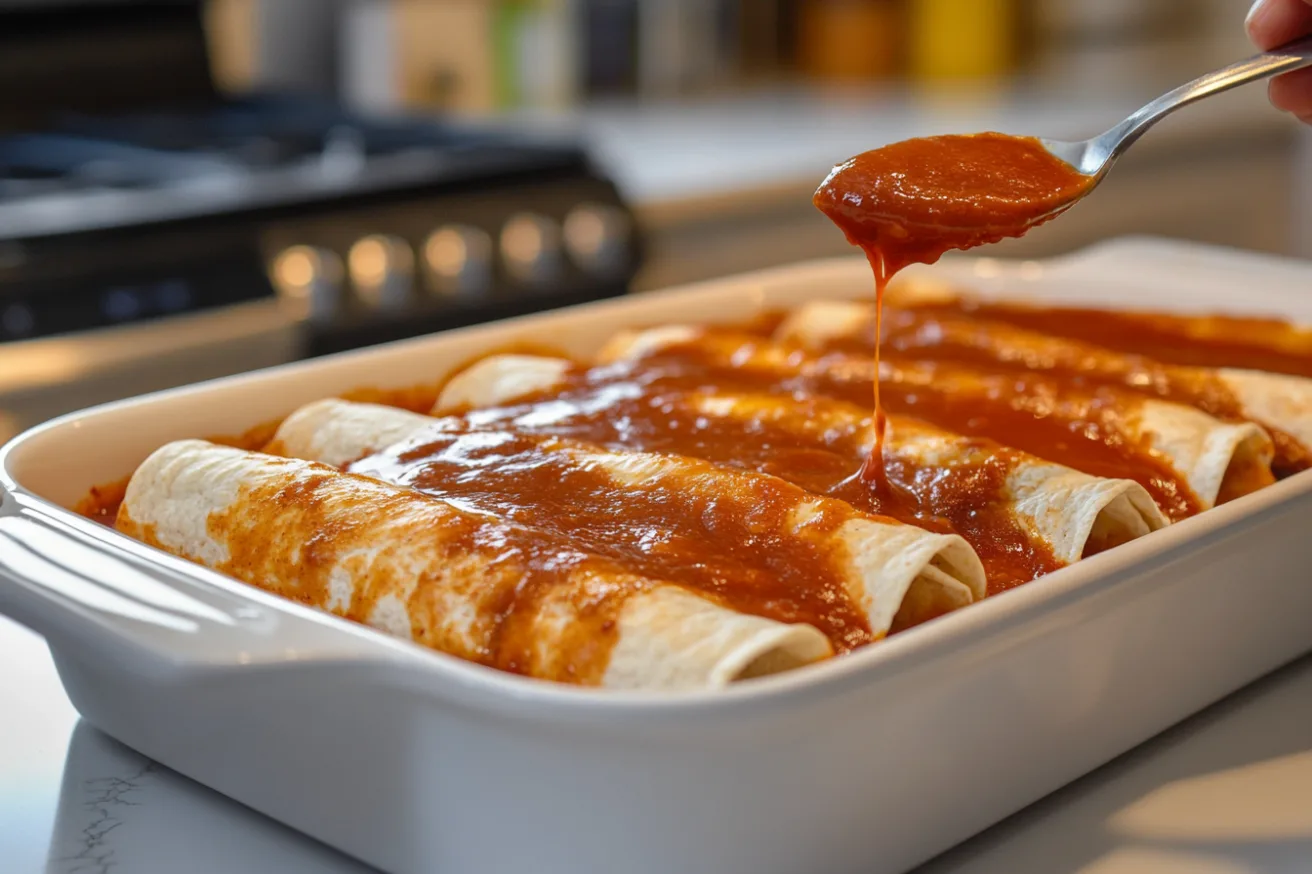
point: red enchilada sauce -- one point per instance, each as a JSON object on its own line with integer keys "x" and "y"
{"x": 1271, "y": 345}
{"x": 935, "y": 334}
{"x": 665, "y": 522}
{"x": 651, "y": 407}
{"x": 508, "y": 574}
{"x": 910, "y": 202}
{"x": 1082, "y": 428}
{"x": 654, "y": 407}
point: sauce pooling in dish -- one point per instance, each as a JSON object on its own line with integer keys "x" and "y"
{"x": 912, "y": 201}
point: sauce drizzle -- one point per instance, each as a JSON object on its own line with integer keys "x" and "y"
{"x": 910, "y": 202}
{"x": 682, "y": 404}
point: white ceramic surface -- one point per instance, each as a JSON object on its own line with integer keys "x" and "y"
{"x": 1229, "y": 791}
{"x": 417, "y": 762}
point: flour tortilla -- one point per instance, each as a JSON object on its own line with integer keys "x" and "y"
{"x": 500, "y": 379}
{"x": 1202, "y": 451}
{"x": 395, "y": 562}
{"x": 511, "y": 375}
{"x": 817, "y": 324}
{"x": 897, "y": 573}
{"x": 1071, "y": 512}
{"x": 1276, "y": 401}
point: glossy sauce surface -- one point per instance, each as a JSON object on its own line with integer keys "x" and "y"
{"x": 1204, "y": 341}
{"x": 736, "y": 540}
{"x": 508, "y": 462}
{"x": 912, "y": 201}
{"x": 1088, "y": 429}
{"x": 652, "y": 405}
{"x": 937, "y": 335}
{"x": 670, "y": 407}
{"x": 293, "y": 535}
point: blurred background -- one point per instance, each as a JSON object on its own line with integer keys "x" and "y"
{"x": 190, "y": 189}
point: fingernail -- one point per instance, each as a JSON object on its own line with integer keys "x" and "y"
{"x": 1254, "y": 12}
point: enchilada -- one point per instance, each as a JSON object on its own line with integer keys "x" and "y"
{"x": 426, "y": 570}
{"x": 698, "y": 489}
{"x": 1184, "y": 458}
{"x": 1282, "y": 404}
{"x": 1023, "y": 516}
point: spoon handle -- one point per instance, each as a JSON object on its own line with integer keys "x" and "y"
{"x": 1290, "y": 56}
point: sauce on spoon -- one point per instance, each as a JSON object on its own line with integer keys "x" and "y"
{"x": 910, "y": 202}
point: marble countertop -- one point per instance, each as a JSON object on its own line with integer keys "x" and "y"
{"x": 1227, "y": 792}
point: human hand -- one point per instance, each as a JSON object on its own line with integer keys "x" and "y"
{"x": 1272, "y": 23}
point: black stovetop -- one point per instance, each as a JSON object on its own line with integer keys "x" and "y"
{"x": 226, "y": 142}
{"x": 131, "y": 189}
{"x": 116, "y": 122}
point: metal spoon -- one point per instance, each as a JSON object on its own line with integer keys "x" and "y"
{"x": 1094, "y": 157}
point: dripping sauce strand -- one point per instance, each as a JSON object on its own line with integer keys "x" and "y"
{"x": 910, "y": 202}
{"x": 873, "y": 472}
{"x": 791, "y": 430}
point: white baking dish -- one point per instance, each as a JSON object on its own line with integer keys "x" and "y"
{"x": 414, "y": 761}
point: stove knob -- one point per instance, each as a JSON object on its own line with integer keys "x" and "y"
{"x": 308, "y": 280}
{"x": 530, "y": 248}
{"x": 382, "y": 271}
{"x": 597, "y": 237}
{"x": 458, "y": 259}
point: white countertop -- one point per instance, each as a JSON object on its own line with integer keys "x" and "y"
{"x": 1228, "y": 792}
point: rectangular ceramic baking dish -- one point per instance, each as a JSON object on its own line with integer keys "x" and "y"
{"x": 414, "y": 761}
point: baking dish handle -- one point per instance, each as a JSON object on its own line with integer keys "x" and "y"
{"x": 73, "y": 580}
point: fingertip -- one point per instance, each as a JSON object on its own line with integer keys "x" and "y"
{"x": 1272, "y": 23}
{"x": 1253, "y": 21}
{"x": 1292, "y": 92}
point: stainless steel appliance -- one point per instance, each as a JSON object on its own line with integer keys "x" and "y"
{"x": 154, "y": 232}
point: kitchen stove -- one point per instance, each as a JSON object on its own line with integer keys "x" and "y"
{"x": 134, "y": 196}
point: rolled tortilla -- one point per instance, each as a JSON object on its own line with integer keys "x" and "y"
{"x": 501, "y": 379}
{"x": 1280, "y": 404}
{"x": 513, "y": 376}
{"x": 1261, "y": 343}
{"x": 422, "y": 570}
{"x": 336, "y": 432}
{"x": 1071, "y": 513}
{"x": 1191, "y": 461}
{"x": 896, "y": 575}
